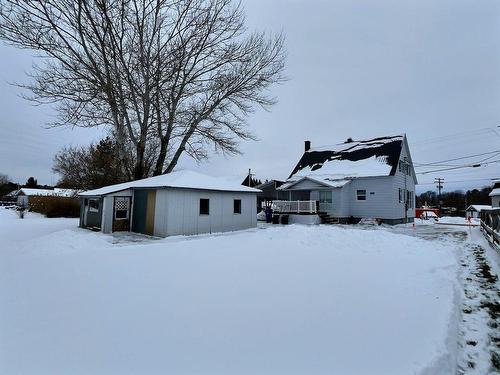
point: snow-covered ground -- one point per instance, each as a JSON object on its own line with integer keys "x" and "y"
{"x": 272, "y": 300}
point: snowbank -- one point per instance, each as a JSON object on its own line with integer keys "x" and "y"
{"x": 291, "y": 299}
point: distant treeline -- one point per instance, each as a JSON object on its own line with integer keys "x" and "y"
{"x": 457, "y": 199}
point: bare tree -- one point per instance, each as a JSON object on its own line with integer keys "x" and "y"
{"x": 169, "y": 77}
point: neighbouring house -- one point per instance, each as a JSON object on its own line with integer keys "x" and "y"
{"x": 22, "y": 196}
{"x": 269, "y": 193}
{"x": 178, "y": 203}
{"x": 371, "y": 178}
{"x": 495, "y": 194}
{"x": 474, "y": 210}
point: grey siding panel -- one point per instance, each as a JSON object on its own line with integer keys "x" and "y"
{"x": 379, "y": 198}
{"x": 402, "y": 181}
{"x": 177, "y": 212}
{"x": 161, "y": 213}
{"x": 495, "y": 201}
{"x": 107, "y": 214}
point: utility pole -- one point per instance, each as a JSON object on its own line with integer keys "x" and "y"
{"x": 439, "y": 184}
{"x": 249, "y": 177}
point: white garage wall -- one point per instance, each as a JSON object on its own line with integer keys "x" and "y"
{"x": 177, "y": 212}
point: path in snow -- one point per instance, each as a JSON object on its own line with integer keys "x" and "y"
{"x": 479, "y": 336}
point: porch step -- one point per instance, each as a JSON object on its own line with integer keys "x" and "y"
{"x": 327, "y": 219}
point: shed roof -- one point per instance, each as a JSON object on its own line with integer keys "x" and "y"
{"x": 57, "y": 192}
{"x": 478, "y": 207}
{"x": 367, "y": 158}
{"x": 178, "y": 179}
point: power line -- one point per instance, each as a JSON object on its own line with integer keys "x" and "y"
{"x": 454, "y": 159}
{"x": 457, "y": 181}
{"x": 454, "y": 136}
{"x": 460, "y": 167}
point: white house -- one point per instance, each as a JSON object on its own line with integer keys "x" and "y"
{"x": 371, "y": 178}
{"x": 495, "y": 194}
{"x": 23, "y": 195}
{"x": 178, "y": 203}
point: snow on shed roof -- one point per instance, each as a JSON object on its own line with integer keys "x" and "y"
{"x": 57, "y": 192}
{"x": 373, "y": 157}
{"x": 479, "y": 207}
{"x": 177, "y": 179}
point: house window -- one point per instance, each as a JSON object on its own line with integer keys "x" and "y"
{"x": 361, "y": 195}
{"x": 93, "y": 205}
{"x": 401, "y": 195}
{"x": 325, "y": 196}
{"x": 204, "y": 206}
{"x": 237, "y": 206}
{"x": 122, "y": 208}
{"x": 409, "y": 199}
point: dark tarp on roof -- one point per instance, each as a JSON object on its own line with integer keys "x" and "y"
{"x": 387, "y": 148}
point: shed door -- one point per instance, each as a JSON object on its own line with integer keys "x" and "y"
{"x": 144, "y": 211}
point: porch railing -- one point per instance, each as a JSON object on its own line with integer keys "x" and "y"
{"x": 490, "y": 226}
{"x": 299, "y": 207}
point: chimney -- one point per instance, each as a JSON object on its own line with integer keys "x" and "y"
{"x": 307, "y": 145}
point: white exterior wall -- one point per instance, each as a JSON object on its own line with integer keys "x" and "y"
{"x": 380, "y": 198}
{"x": 107, "y": 214}
{"x": 177, "y": 212}
{"x": 107, "y": 209}
{"x": 402, "y": 182}
{"x": 495, "y": 201}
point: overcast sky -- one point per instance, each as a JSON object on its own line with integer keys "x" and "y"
{"x": 430, "y": 69}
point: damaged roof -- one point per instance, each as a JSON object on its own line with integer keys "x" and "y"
{"x": 373, "y": 157}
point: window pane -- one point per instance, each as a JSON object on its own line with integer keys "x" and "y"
{"x": 93, "y": 205}
{"x": 361, "y": 195}
{"x": 122, "y": 206}
{"x": 204, "y": 206}
{"x": 237, "y": 206}
{"x": 325, "y": 196}
{"x": 121, "y": 214}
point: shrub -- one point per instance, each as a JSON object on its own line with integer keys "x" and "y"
{"x": 55, "y": 206}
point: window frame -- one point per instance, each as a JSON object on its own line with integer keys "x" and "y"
{"x": 235, "y": 212}
{"x": 362, "y": 195}
{"x": 93, "y": 209}
{"x": 127, "y": 216}
{"x": 200, "y": 207}
{"x": 323, "y": 193}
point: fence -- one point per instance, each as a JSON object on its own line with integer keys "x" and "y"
{"x": 490, "y": 226}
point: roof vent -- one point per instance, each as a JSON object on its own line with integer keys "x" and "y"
{"x": 349, "y": 140}
{"x": 307, "y": 146}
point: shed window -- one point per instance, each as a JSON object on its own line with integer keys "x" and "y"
{"x": 361, "y": 195}
{"x": 93, "y": 205}
{"x": 121, "y": 208}
{"x": 237, "y": 206}
{"x": 204, "y": 206}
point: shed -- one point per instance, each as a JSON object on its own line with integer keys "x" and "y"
{"x": 178, "y": 203}
{"x": 474, "y": 210}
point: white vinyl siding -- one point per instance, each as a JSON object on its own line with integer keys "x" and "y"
{"x": 177, "y": 212}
